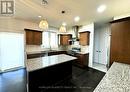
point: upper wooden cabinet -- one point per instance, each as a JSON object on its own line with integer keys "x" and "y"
{"x": 29, "y": 37}
{"x": 33, "y": 37}
{"x": 84, "y": 38}
{"x": 37, "y": 38}
{"x": 64, "y": 39}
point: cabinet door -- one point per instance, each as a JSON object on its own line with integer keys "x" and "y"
{"x": 64, "y": 39}
{"x": 29, "y": 37}
{"x": 82, "y": 60}
{"x": 84, "y": 38}
{"x": 120, "y": 42}
{"x": 37, "y": 38}
{"x": 61, "y": 39}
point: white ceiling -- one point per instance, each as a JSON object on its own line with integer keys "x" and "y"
{"x": 86, "y": 9}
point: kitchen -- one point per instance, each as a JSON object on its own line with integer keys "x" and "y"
{"x": 65, "y": 42}
{"x": 67, "y": 45}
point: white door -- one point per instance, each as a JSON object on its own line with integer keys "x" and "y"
{"x": 11, "y": 50}
{"x": 101, "y": 43}
{"x": 96, "y": 46}
{"x": 103, "y": 47}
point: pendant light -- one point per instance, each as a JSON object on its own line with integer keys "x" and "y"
{"x": 62, "y": 29}
{"x": 43, "y": 24}
{"x": 63, "y": 26}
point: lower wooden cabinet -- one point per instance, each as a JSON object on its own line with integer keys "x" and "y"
{"x": 82, "y": 59}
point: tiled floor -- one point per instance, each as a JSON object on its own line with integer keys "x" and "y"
{"x": 100, "y": 67}
{"x": 84, "y": 80}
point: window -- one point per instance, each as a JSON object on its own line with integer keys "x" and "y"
{"x": 53, "y": 40}
{"x": 49, "y": 40}
{"x": 45, "y": 39}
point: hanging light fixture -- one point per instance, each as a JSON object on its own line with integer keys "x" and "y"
{"x": 63, "y": 26}
{"x": 62, "y": 29}
{"x": 43, "y": 24}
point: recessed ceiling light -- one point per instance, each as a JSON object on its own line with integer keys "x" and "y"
{"x": 101, "y": 8}
{"x": 77, "y": 18}
{"x": 39, "y": 16}
{"x": 64, "y": 24}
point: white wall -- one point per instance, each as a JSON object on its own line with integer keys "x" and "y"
{"x": 89, "y": 28}
{"x": 9, "y": 24}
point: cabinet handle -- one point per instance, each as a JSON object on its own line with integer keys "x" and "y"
{"x": 98, "y": 51}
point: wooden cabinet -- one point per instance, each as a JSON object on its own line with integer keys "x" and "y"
{"x": 84, "y": 38}
{"x": 120, "y": 41}
{"x": 29, "y": 37}
{"x": 64, "y": 39}
{"x": 82, "y": 60}
{"x": 37, "y": 38}
{"x": 33, "y": 37}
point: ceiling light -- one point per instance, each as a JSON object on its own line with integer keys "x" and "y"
{"x": 39, "y": 16}
{"x": 101, "y": 8}
{"x": 64, "y": 24}
{"x": 77, "y": 18}
{"x": 43, "y": 24}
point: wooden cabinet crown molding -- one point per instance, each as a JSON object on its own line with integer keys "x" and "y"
{"x": 85, "y": 32}
{"x": 120, "y": 20}
{"x": 26, "y": 29}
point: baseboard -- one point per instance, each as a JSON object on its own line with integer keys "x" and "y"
{"x": 12, "y": 69}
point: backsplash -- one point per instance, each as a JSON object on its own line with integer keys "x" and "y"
{"x": 84, "y": 49}
{"x": 36, "y": 48}
{"x": 33, "y": 48}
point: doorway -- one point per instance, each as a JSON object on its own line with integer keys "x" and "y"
{"x": 101, "y": 47}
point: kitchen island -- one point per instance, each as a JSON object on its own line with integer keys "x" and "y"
{"x": 44, "y": 72}
{"x": 117, "y": 79}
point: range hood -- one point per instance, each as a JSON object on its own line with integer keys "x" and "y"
{"x": 75, "y": 30}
